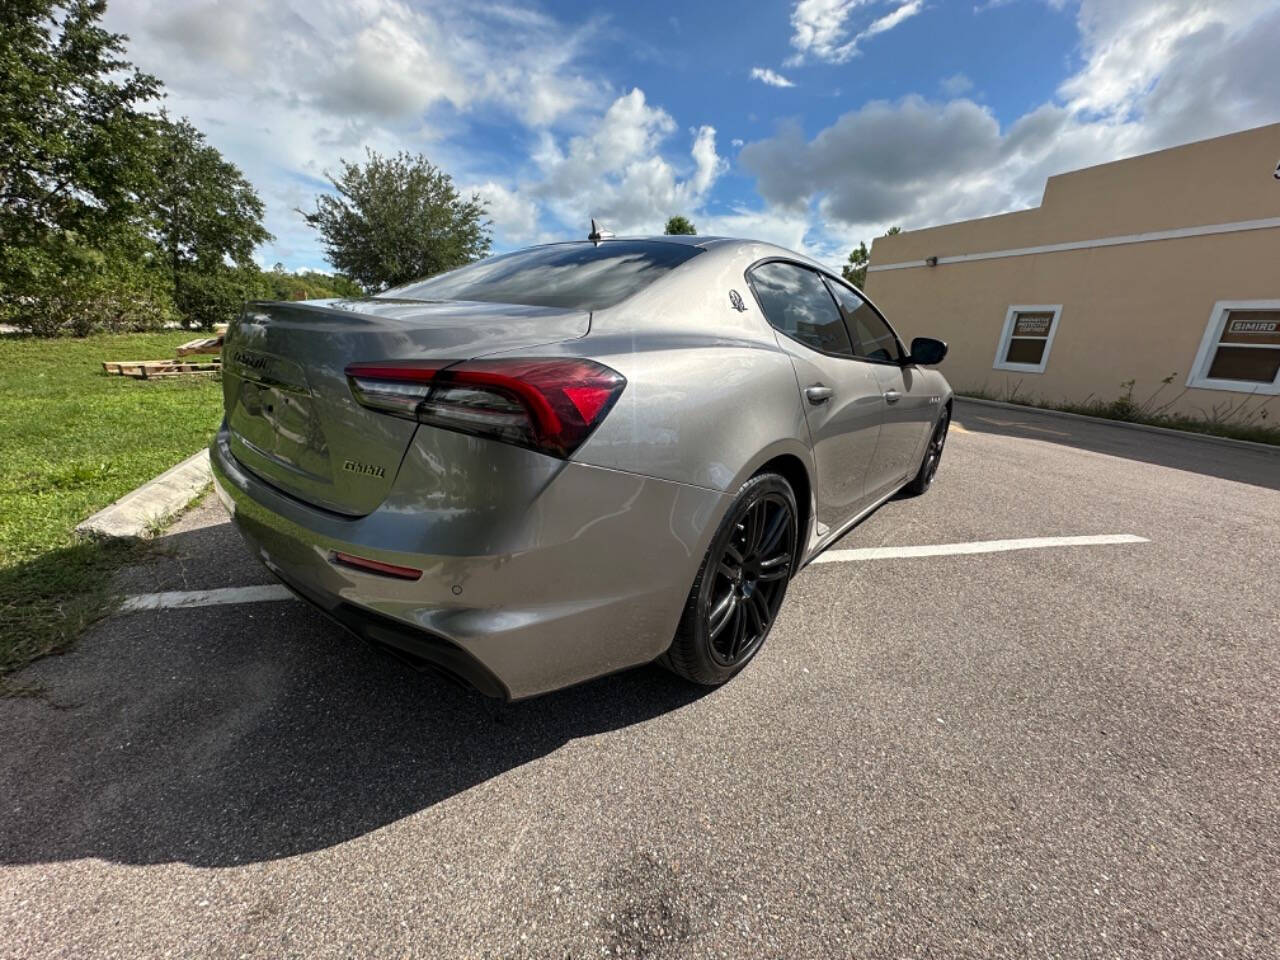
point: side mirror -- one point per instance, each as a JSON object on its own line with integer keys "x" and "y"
{"x": 927, "y": 351}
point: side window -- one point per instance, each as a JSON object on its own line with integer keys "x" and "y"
{"x": 872, "y": 338}
{"x": 796, "y": 302}
{"x": 1241, "y": 348}
{"x": 1027, "y": 337}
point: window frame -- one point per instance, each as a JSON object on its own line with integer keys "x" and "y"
{"x": 1006, "y": 337}
{"x": 828, "y": 278}
{"x": 1199, "y": 376}
{"x": 904, "y": 354}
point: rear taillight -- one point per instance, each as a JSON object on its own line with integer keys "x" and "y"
{"x": 550, "y": 405}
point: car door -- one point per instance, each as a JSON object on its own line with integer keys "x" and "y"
{"x": 841, "y": 397}
{"x": 907, "y": 409}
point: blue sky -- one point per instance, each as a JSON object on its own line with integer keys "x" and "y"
{"x": 811, "y": 123}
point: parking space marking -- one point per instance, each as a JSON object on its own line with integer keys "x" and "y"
{"x": 204, "y": 598}
{"x": 176, "y": 599}
{"x": 977, "y": 546}
{"x": 1023, "y": 426}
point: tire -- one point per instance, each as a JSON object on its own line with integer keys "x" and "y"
{"x": 741, "y": 584}
{"x": 932, "y": 457}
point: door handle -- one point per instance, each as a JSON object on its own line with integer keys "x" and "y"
{"x": 892, "y": 396}
{"x": 818, "y": 394}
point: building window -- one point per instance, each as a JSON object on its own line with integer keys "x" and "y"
{"x": 1027, "y": 337}
{"x": 1241, "y": 348}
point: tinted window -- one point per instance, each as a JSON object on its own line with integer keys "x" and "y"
{"x": 796, "y": 302}
{"x": 1256, "y": 359}
{"x": 872, "y": 338}
{"x": 583, "y": 276}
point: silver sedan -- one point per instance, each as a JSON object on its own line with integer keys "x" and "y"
{"x": 572, "y": 459}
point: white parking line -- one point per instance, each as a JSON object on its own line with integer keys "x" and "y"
{"x": 979, "y": 546}
{"x": 204, "y": 598}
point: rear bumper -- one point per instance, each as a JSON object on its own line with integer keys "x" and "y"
{"x": 552, "y": 574}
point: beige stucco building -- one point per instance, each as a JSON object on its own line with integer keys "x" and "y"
{"x": 1162, "y": 264}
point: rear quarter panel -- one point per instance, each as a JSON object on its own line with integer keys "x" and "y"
{"x": 710, "y": 395}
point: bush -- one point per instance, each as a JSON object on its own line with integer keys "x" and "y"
{"x": 276, "y": 284}
{"x": 66, "y": 288}
{"x": 213, "y": 295}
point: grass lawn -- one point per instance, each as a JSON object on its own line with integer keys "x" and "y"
{"x": 75, "y": 439}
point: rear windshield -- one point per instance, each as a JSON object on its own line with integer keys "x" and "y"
{"x": 580, "y": 276}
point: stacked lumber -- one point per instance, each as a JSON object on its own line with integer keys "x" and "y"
{"x": 160, "y": 369}
{"x": 203, "y": 345}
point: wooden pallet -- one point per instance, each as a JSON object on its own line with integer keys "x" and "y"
{"x": 203, "y": 345}
{"x": 160, "y": 369}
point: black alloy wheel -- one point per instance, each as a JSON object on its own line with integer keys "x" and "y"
{"x": 750, "y": 579}
{"x": 743, "y": 580}
{"x": 932, "y": 456}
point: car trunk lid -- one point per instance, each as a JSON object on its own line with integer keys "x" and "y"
{"x": 290, "y": 413}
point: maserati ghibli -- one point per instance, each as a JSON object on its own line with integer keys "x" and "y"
{"x": 572, "y": 459}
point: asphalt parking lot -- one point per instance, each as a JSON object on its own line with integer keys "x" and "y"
{"x": 1069, "y": 751}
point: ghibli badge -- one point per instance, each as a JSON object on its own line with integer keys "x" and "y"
{"x": 365, "y": 469}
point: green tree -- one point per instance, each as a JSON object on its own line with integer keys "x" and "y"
{"x": 73, "y": 142}
{"x": 855, "y": 268}
{"x": 680, "y": 226}
{"x": 396, "y": 219}
{"x": 280, "y": 284}
{"x": 72, "y": 135}
{"x": 201, "y": 209}
{"x": 205, "y": 219}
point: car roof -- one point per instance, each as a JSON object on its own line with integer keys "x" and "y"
{"x": 686, "y": 240}
{"x": 682, "y": 239}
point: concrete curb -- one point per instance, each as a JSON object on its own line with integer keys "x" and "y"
{"x": 133, "y": 515}
{"x": 1148, "y": 428}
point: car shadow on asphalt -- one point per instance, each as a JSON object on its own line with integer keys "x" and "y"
{"x": 229, "y": 735}
{"x": 1259, "y": 466}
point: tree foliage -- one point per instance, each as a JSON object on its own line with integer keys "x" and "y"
{"x": 109, "y": 213}
{"x": 72, "y": 287}
{"x": 205, "y": 220}
{"x": 679, "y": 226}
{"x": 72, "y": 138}
{"x": 201, "y": 210}
{"x": 279, "y": 284}
{"x": 71, "y": 132}
{"x": 854, "y": 269}
{"x": 396, "y": 219}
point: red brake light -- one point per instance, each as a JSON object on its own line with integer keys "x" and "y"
{"x": 547, "y": 404}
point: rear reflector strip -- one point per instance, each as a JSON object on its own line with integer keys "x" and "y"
{"x": 376, "y": 566}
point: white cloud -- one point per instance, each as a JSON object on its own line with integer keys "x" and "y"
{"x": 890, "y": 20}
{"x": 617, "y": 174}
{"x": 1153, "y": 74}
{"x": 286, "y": 89}
{"x": 819, "y": 28}
{"x": 955, "y": 85}
{"x": 514, "y": 215}
{"x": 773, "y": 79}
{"x": 772, "y": 225}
